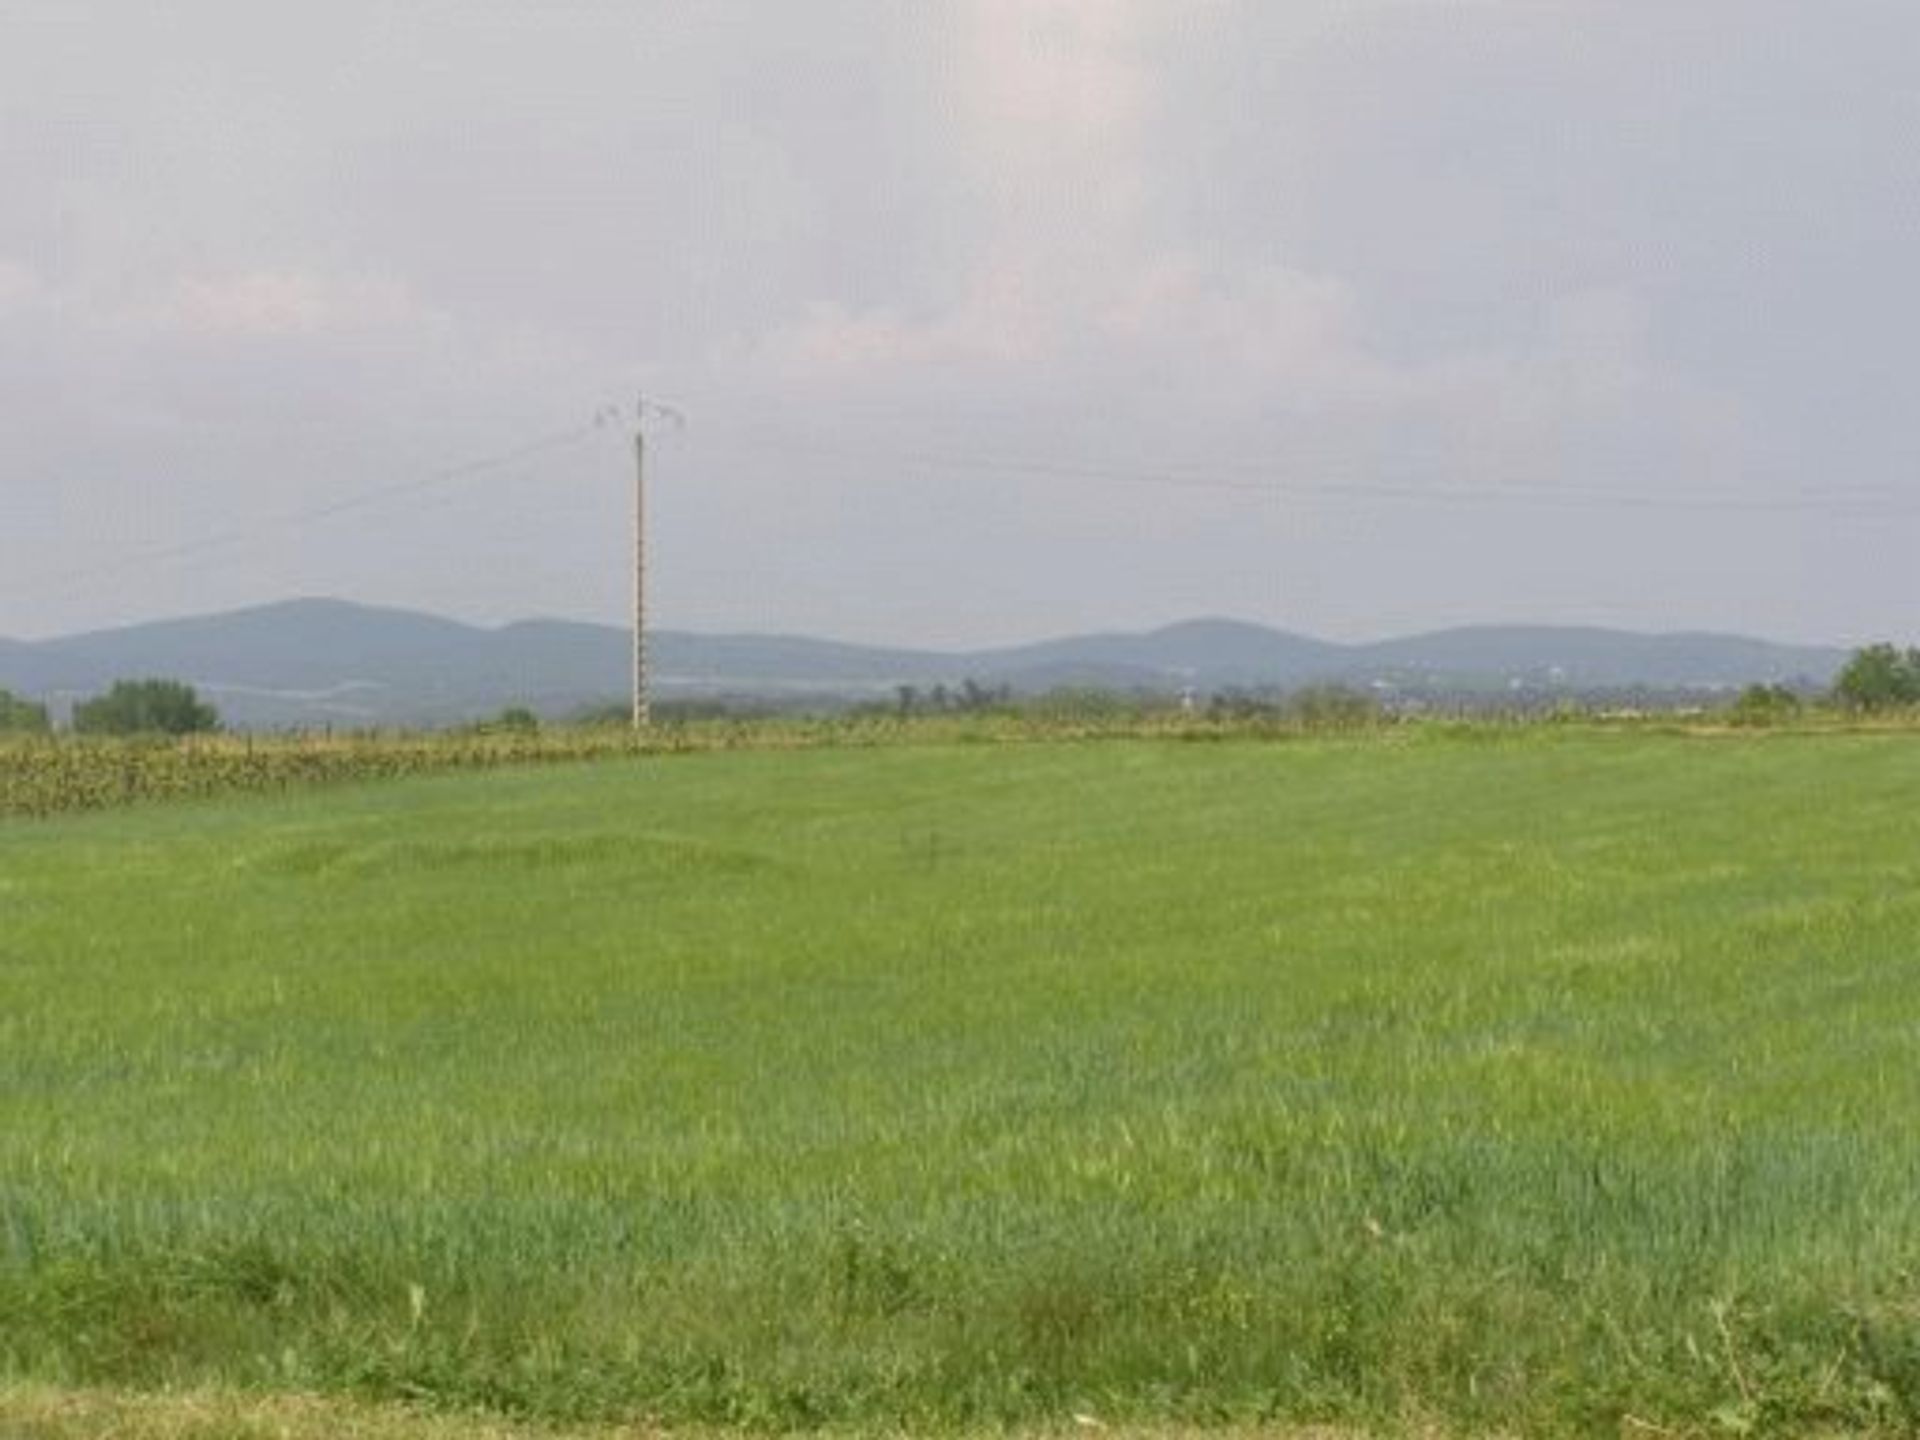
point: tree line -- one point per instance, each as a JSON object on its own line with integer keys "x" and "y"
{"x": 1879, "y": 677}
{"x": 129, "y": 707}
{"x": 1875, "y": 678}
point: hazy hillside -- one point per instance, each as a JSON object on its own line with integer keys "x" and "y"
{"x": 1206, "y": 652}
{"x": 1583, "y": 656}
{"x": 328, "y": 661}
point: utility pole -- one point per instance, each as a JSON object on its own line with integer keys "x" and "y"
{"x": 644, "y": 411}
{"x": 642, "y": 709}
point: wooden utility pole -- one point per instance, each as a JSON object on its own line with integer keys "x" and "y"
{"x": 643, "y": 412}
{"x": 642, "y": 708}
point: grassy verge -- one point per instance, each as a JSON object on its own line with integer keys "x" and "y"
{"x": 32, "y": 1412}
{"x": 38, "y": 1412}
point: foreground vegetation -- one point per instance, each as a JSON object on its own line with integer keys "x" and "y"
{"x": 57, "y": 775}
{"x": 38, "y": 1412}
{"x": 1541, "y": 1081}
{"x": 49, "y": 775}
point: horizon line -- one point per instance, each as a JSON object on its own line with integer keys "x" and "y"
{"x": 1269, "y": 628}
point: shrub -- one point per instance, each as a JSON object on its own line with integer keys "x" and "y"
{"x": 146, "y": 707}
{"x": 1878, "y": 678}
{"x": 515, "y": 720}
{"x": 1764, "y": 705}
{"x": 1333, "y": 707}
{"x": 19, "y": 716}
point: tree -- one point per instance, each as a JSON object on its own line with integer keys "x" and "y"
{"x": 1333, "y": 707}
{"x": 1760, "y": 705}
{"x": 145, "y": 707}
{"x": 22, "y": 717}
{"x": 1878, "y": 677}
{"x": 975, "y": 696}
{"x": 520, "y": 720}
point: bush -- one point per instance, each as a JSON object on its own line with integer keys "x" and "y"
{"x": 1082, "y": 704}
{"x": 1764, "y": 705}
{"x": 1333, "y": 707}
{"x": 146, "y": 707}
{"x": 22, "y": 717}
{"x": 1242, "y": 706}
{"x": 514, "y": 720}
{"x": 1878, "y": 678}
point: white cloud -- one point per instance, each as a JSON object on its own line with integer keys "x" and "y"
{"x": 19, "y": 286}
{"x": 283, "y": 303}
{"x": 1040, "y": 78}
{"x": 1397, "y": 243}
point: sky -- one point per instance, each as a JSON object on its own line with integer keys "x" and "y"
{"x": 990, "y": 319}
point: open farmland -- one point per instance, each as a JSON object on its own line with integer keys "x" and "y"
{"x": 1551, "y": 1081}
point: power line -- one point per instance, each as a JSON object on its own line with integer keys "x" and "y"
{"x": 644, "y": 412}
{"x": 446, "y": 477}
{"x": 1256, "y": 478}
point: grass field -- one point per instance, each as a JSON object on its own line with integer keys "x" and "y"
{"x": 1544, "y": 1081}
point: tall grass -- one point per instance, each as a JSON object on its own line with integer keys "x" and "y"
{"x": 1540, "y": 1082}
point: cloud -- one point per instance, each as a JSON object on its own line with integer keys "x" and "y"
{"x": 1085, "y": 276}
{"x": 1169, "y": 321}
{"x": 1043, "y": 78}
{"x": 1051, "y": 103}
{"x": 20, "y": 287}
{"x": 1095, "y": 283}
{"x": 1369, "y": 246}
{"x": 278, "y": 304}
{"x": 1253, "y": 338}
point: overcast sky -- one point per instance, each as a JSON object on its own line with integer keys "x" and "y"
{"x": 993, "y": 319}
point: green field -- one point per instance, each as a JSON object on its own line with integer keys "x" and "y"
{"x": 1549, "y": 1081}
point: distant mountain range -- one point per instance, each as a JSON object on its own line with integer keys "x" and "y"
{"x": 307, "y": 662}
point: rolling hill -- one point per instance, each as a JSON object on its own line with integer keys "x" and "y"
{"x": 305, "y": 662}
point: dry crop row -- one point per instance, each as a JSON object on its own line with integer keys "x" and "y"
{"x": 43, "y": 778}
{"x": 59, "y": 777}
